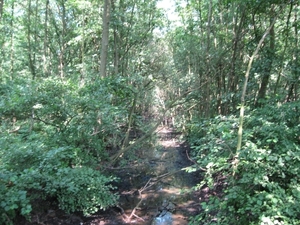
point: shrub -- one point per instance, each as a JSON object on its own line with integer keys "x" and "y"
{"x": 63, "y": 131}
{"x": 56, "y": 173}
{"x": 14, "y": 200}
{"x": 264, "y": 186}
{"x": 81, "y": 189}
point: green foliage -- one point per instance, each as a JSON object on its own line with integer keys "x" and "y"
{"x": 82, "y": 189}
{"x": 89, "y": 118}
{"x": 59, "y": 120}
{"x": 56, "y": 173}
{"x": 216, "y": 144}
{"x": 53, "y": 135}
{"x": 13, "y": 199}
{"x": 261, "y": 185}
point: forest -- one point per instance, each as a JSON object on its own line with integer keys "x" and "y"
{"x": 85, "y": 84}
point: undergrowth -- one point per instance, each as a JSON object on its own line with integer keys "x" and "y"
{"x": 53, "y": 138}
{"x": 261, "y": 184}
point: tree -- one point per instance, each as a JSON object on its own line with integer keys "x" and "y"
{"x": 31, "y": 47}
{"x": 1, "y": 8}
{"x": 242, "y": 109}
{"x": 78, "y": 77}
{"x": 105, "y": 37}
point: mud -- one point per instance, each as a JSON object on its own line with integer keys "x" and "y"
{"x": 157, "y": 182}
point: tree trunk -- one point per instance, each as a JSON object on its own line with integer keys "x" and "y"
{"x": 82, "y": 51}
{"x": 286, "y": 39}
{"x": 233, "y": 77}
{"x": 1, "y": 8}
{"x": 12, "y": 51}
{"x": 45, "y": 53}
{"x": 62, "y": 41}
{"x": 105, "y": 37}
{"x": 242, "y": 108}
{"x": 31, "y": 53}
{"x": 267, "y": 66}
{"x": 208, "y": 60}
{"x": 292, "y": 93}
{"x": 116, "y": 44}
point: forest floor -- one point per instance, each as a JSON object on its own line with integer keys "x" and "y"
{"x": 154, "y": 190}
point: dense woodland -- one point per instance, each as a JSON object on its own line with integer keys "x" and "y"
{"x": 79, "y": 77}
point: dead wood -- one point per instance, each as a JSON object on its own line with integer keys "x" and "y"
{"x": 149, "y": 133}
{"x": 149, "y": 183}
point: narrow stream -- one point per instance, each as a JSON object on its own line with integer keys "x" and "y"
{"x": 156, "y": 192}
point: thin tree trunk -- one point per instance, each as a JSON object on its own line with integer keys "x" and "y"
{"x": 30, "y": 52}
{"x": 209, "y": 27}
{"x": 208, "y": 66}
{"x": 45, "y": 55}
{"x": 242, "y": 109}
{"x": 292, "y": 93}
{"x": 284, "y": 49}
{"x": 62, "y": 41}
{"x": 82, "y": 56}
{"x": 267, "y": 65}
{"x": 12, "y": 50}
{"x": 116, "y": 44}
{"x": 105, "y": 37}
{"x": 1, "y": 8}
{"x": 233, "y": 77}
{"x": 35, "y": 37}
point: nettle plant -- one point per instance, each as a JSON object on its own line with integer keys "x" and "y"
{"x": 261, "y": 186}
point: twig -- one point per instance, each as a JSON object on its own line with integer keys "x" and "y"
{"x": 122, "y": 210}
{"x": 150, "y": 183}
{"x": 15, "y": 130}
{"x": 133, "y": 211}
{"x": 187, "y": 155}
{"x": 139, "y": 217}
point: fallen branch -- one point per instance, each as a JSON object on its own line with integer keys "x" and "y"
{"x": 15, "y": 130}
{"x": 150, "y": 183}
{"x": 134, "y": 210}
{"x": 193, "y": 161}
{"x": 148, "y": 134}
{"x": 136, "y": 143}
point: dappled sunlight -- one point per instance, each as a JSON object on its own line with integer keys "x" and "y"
{"x": 170, "y": 144}
{"x": 145, "y": 111}
{"x": 162, "y": 186}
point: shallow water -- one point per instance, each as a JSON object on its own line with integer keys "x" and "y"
{"x": 158, "y": 179}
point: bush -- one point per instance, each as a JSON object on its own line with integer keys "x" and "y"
{"x": 14, "y": 200}
{"x": 81, "y": 189}
{"x": 31, "y": 171}
{"x": 263, "y": 187}
{"x": 58, "y": 175}
{"x": 53, "y": 135}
